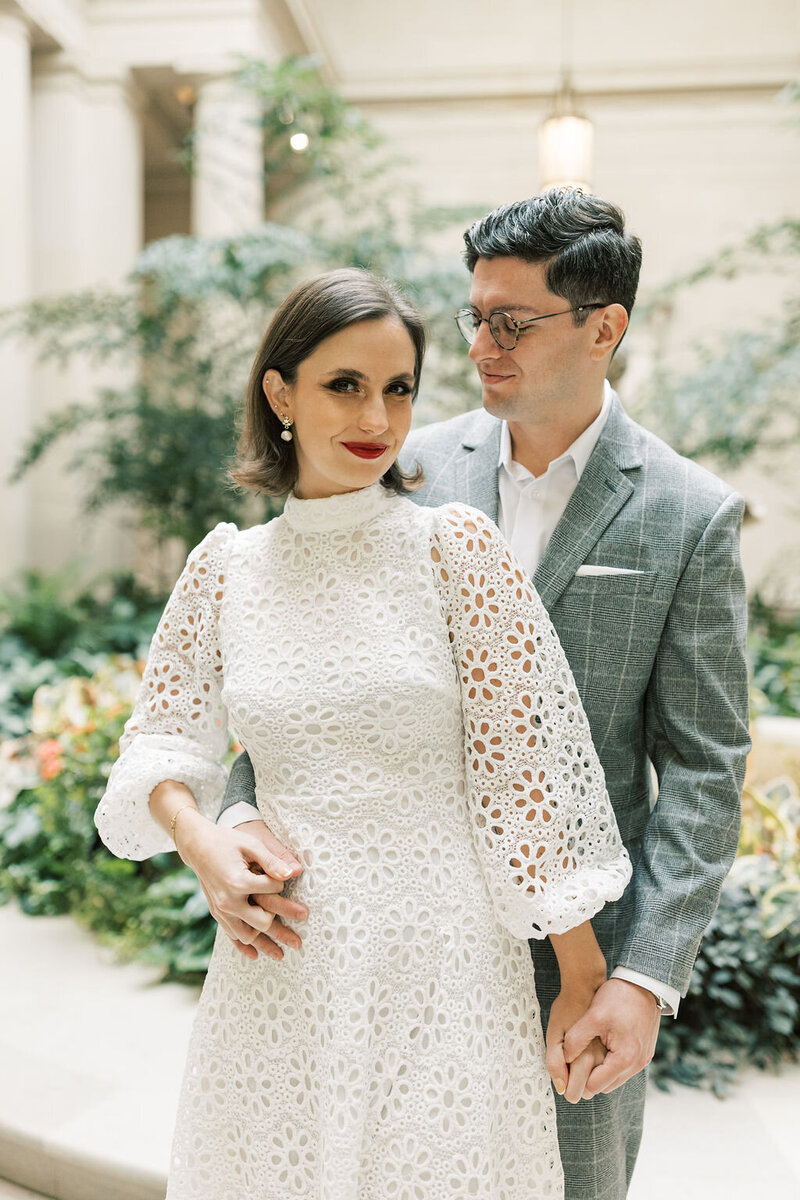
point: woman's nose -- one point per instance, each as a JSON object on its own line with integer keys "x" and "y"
{"x": 373, "y": 418}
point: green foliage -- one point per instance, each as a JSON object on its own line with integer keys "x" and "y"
{"x": 771, "y": 831}
{"x": 51, "y": 858}
{"x": 774, "y": 652}
{"x": 740, "y": 395}
{"x": 292, "y": 98}
{"x": 183, "y": 332}
{"x": 50, "y": 631}
{"x": 743, "y": 1005}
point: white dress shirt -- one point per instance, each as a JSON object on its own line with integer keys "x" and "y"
{"x": 532, "y": 505}
{"x": 530, "y": 508}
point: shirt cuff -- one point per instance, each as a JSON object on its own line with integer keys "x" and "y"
{"x": 237, "y": 814}
{"x": 670, "y": 994}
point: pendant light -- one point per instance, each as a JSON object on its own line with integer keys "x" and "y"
{"x": 566, "y": 137}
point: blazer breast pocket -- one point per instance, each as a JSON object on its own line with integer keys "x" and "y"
{"x": 610, "y": 626}
{"x": 605, "y": 585}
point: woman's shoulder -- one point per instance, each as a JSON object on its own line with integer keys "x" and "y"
{"x": 207, "y": 562}
{"x": 462, "y": 526}
{"x": 222, "y": 534}
{"x": 218, "y": 541}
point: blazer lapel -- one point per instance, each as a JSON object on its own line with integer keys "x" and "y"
{"x": 601, "y": 492}
{"x": 475, "y": 470}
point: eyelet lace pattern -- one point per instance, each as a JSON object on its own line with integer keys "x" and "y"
{"x": 417, "y": 740}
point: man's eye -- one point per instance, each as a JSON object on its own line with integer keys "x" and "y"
{"x": 504, "y": 323}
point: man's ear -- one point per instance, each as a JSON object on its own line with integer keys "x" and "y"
{"x": 608, "y": 329}
{"x": 277, "y": 393}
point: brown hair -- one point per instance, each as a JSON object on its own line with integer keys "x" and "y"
{"x": 314, "y": 311}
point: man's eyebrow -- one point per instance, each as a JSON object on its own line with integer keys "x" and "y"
{"x": 509, "y": 308}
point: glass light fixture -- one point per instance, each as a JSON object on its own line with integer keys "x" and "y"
{"x": 566, "y": 151}
{"x": 566, "y": 137}
{"x": 299, "y": 142}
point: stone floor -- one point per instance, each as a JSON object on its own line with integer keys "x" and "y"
{"x": 91, "y": 1055}
{"x": 10, "y": 1191}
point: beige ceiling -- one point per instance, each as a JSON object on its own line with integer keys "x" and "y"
{"x": 380, "y": 49}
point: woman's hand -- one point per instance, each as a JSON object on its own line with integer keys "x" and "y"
{"x": 569, "y": 1006}
{"x": 232, "y": 866}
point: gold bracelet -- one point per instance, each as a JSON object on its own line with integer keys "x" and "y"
{"x": 175, "y": 817}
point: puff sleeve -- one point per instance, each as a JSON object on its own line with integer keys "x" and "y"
{"x": 543, "y": 824}
{"x": 179, "y": 727}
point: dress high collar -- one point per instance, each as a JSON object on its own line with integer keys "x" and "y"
{"x": 337, "y": 512}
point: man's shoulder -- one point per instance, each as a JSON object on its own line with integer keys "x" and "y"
{"x": 670, "y": 477}
{"x": 442, "y": 437}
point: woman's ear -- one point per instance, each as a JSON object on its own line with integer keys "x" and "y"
{"x": 277, "y": 393}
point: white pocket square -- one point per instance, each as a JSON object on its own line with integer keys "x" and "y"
{"x": 588, "y": 569}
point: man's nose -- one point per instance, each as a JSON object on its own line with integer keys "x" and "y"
{"x": 484, "y": 345}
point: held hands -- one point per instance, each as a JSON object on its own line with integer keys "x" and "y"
{"x": 569, "y": 1077}
{"x": 606, "y": 1044}
{"x": 242, "y": 872}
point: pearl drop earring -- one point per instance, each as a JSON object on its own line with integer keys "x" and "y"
{"x": 286, "y": 433}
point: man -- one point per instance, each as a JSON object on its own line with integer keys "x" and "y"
{"x": 634, "y": 551}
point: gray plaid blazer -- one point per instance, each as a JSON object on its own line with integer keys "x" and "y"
{"x": 658, "y": 658}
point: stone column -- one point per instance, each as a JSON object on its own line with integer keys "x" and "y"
{"x": 117, "y": 176}
{"x": 88, "y": 211}
{"x": 227, "y": 185}
{"x": 15, "y": 251}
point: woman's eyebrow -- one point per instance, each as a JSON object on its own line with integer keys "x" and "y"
{"x": 351, "y": 371}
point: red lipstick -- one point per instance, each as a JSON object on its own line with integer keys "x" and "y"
{"x": 365, "y": 449}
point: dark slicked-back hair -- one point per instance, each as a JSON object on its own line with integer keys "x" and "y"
{"x": 581, "y": 238}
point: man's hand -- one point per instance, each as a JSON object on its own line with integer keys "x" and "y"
{"x": 242, "y": 872}
{"x": 625, "y": 1017}
{"x": 570, "y": 1079}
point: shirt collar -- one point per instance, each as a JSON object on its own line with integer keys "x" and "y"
{"x": 580, "y": 450}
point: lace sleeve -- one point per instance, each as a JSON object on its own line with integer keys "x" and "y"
{"x": 179, "y": 727}
{"x": 543, "y": 824}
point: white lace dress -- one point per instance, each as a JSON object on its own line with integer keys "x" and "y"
{"x": 418, "y": 741}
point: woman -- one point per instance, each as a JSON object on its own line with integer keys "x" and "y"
{"x": 418, "y": 741}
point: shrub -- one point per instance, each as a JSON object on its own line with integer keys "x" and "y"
{"x": 743, "y": 1005}
{"x": 50, "y": 631}
{"x": 774, "y": 652}
{"x": 51, "y": 858}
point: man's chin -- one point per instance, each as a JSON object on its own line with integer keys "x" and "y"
{"x": 499, "y": 406}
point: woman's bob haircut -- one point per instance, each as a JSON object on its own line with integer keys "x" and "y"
{"x": 314, "y": 311}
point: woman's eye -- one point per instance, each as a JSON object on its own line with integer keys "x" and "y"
{"x": 343, "y": 385}
{"x": 399, "y": 389}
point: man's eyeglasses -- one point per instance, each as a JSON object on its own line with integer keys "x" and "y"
{"x": 503, "y": 328}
